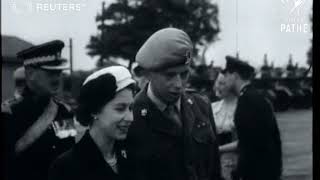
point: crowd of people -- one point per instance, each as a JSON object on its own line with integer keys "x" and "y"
{"x": 162, "y": 131}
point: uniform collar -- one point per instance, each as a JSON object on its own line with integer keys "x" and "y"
{"x": 244, "y": 87}
{"x": 160, "y": 104}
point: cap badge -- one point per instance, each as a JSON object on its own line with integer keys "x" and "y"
{"x": 188, "y": 56}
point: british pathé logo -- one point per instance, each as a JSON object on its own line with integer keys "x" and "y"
{"x": 295, "y": 22}
{"x": 295, "y": 5}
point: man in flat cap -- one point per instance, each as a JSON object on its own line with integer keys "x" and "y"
{"x": 173, "y": 135}
{"x": 260, "y": 156}
{"x": 32, "y": 122}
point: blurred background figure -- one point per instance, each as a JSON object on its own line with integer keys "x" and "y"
{"x": 223, "y": 112}
{"x": 19, "y": 81}
{"x": 139, "y": 74}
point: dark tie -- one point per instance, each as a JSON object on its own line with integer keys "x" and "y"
{"x": 171, "y": 112}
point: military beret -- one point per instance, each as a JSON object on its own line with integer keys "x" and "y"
{"x": 166, "y": 48}
{"x": 234, "y": 64}
{"x": 19, "y": 74}
{"x": 46, "y": 56}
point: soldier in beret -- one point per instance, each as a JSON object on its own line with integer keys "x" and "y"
{"x": 173, "y": 134}
{"x": 32, "y": 122}
{"x": 259, "y": 144}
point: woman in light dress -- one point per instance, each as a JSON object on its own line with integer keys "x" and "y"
{"x": 223, "y": 112}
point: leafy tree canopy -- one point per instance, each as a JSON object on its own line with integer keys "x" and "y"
{"x": 125, "y": 25}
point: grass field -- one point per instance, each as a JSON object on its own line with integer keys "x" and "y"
{"x": 296, "y": 134}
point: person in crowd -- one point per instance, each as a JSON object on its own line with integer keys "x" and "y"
{"x": 31, "y": 122}
{"x": 259, "y": 143}
{"x": 19, "y": 81}
{"x": 172, "y": 136}
{"x": 223, "y": 113}
{"x": 139, "y": 74}
{"x": 105, "y": 102}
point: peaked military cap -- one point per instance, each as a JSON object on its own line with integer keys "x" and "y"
{"x": 166, "y": 48}
{"x": 234, "y": 64}
{"x": 46, "y": 56}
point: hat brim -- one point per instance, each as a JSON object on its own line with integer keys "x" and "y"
{"x": 62, "y": 66}
{"x": 124, "y": 83}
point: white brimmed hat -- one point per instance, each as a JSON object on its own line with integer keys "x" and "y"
{"x": 121, "y": 74}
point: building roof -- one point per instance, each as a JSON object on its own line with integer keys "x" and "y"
{"x": 11, "y": 45}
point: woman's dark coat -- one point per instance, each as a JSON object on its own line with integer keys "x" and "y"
{"x": 85, "y": 162}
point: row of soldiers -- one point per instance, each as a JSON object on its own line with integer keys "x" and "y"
{"x": 186, "y": 150}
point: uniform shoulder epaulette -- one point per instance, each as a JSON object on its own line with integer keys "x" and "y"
{"x": 6, "y": 106}
{"x": 201, "y": 97}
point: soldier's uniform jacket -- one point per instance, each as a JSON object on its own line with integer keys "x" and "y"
{"x": 157, "y": 152}
{"x": 18, "y": 115}
{"x": 259, "y": 137}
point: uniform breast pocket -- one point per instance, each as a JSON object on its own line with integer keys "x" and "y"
{"x": 203, "y": 141}
{"x": 202, "y": 133}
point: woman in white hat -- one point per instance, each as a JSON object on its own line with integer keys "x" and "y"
{"x": 105, "y": 107}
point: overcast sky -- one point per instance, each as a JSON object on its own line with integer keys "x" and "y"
{"x": 259, "y": 28}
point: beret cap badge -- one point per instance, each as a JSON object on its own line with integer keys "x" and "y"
{"x": 188, "y": 56}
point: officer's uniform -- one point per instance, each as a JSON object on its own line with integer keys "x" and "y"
{"x": 258, "y": 133}
{"x": 156, "y": 149}
{"x": 29, "y": 152}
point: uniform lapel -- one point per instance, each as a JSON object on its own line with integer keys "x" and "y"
{"x": 187, "y": 114}
{"x": 153, "y": 116}
{"x": 244, "y": 89}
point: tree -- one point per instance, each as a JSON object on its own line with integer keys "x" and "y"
{"x": 125, "y": 25}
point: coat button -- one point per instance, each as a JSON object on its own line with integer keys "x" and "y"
{"x": 53, "y": 147}
{"x": 203, "y": 124}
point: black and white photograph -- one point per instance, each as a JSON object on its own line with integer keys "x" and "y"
{"x": 157, "y": 89}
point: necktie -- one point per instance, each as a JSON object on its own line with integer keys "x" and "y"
{"x": 172, "y": 113}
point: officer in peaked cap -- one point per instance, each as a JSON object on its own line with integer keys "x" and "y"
{"x": 34, "y": 121}
{"x": 234, "y": 64}
{"x": 173, "y": 132}
{"x": 259, "y": 144}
